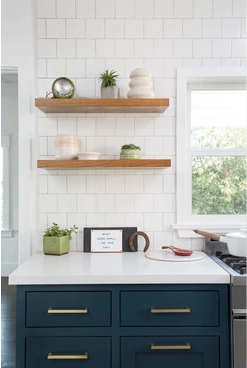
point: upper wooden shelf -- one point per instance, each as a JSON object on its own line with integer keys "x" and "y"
{"x": 102, "y": 164}
{"x": 102, "y": 105}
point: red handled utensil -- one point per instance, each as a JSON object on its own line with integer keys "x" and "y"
{"x": 178, "y": 251}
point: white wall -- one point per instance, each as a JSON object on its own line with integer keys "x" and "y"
{"x": 80, "y": 39}
{"x": 18, "y": 50}
{"x": 9, "y": 126}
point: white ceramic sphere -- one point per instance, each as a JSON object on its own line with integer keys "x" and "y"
{"x": 141, "y": 72}
{"x": 140, "y": 82}
{"x": 140, "y": 92}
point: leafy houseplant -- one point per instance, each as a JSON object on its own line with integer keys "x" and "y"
{"x": 56, "y": 241}
{"x": 130, "y": 152}
{"x": 109, "y": 87}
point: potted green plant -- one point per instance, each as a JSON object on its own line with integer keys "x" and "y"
{"x": 130, "y": 152}
{"x": 56, "y": 241}
{"x": 109, "y": 87}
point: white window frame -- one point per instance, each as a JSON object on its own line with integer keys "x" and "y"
{"x": 5, "y": 144}
{"x": 185, "y": 220}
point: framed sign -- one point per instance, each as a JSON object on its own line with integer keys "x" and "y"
{"x": 107, "y": 239}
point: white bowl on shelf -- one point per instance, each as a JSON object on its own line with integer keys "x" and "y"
{"x": 88, "y": 155}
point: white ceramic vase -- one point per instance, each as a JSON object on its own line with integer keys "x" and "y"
{"x": 140, "y": 84}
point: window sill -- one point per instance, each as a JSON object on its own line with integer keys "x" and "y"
{"x": 186, "y": 231}
{"x": 6, "y": 234}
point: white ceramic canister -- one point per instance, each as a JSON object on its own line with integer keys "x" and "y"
{"x": 140, "y": 84}
{"x": 66, "y": 147}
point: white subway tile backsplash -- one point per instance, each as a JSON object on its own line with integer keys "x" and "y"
{"x": 163, "y": 126}
{"x": 85, "y": 48}
{"x": 41, "y": 68}
{"x": 76, "y": 184}
{"x": 182, "y": 48}
{"x": 86, "y": 203}
{"x": 222, "y": 8}
{"x": 243, "y": 28}
{"x": 133, "y": 28}
{"x": 125, "y": 126}
{"x": 41, "y": 28}
{"x": 67, "y": 203}
{"x": 105, "y": 9}
{"x": 42, "y": 222}
{"x": 144, "y": 48}
{"x": 96, "y": 144}
{"x": 162, "y": 87}
{"x": 113, "y": 145}
{"x": 221, "y": 48}
{"x": 43, "y": 184}
{"x": 153, "y": 184}
{"x": 231, "y": 28}
{"x": 181, "y": 242}
{"x": 133, "y": 184}
{"x": 47, "y": 126}
{"x": 169, "y": 184}
{"x": 144, "y": 126}
{"x": 203, "y": 8}
{"x": 192, "y": 28}
{"x": 86, "y": 126}
{"x": 117, "y": 65}
{"x": 239, "y": 47}
{"x": 47, "y": 203}
{"x": 134, "y": 220}
{"x": 56, "y": 67}
{"x": 202, "y": 48}
{"x": 46, "y": 48}
{"x": 183, "y": 9}
{"x": 95, "y": 184}
{"x": 85, "y": 9}
{"x": 76, "y": 68}
{"x": 105, "y": 48}
{"x": 66, "y": 8}
{"x": 144, "y": 203}
{"x": 152, "y": 222}
{"x": 42, "y": 146}
{"x": 75, "y": 28}
{"x": 94, "y": 67}
{"x": 96, "y": 220}
{"x": 66, "y": 125}
{"x": 239, "y": 8}
{"x": 191, "y": 63}
{"x": 105, "y": 203}
{"x": 173, "y": 28}
{"x": 77, "y": 219}
{"x": 131, "y": 64}
{"x": 105, "y": 126}
{"x": 46, "y": 8}
{"x": 58, "y": 218}
{"x": 231, "y": 62}
{"x": 144, "y": 8}
{"x": 243, "y": 62}
{"x": 153, "y": 28}
{"x": 125, "y": 48}
{"x": 115, "y": 184}
{"x": 51, "y": 147}
{"x": 125, "y": 9}
{"x": 211, "y": 28}
{"x": 153, "y": 145}
{"x": 66, "y": 48}
{"x": 114, "y": 28}
{"x": 115, "y": 220}
{"x": 171, "y": 65}
{"x": 125, "y": 203}
{"x": 211, "y": 62}
{"x": 168, "y": 220}
{"x": 95, "y": 28}
{"x": 57, "y": 184}
{"x": 55, "y": 28}
{"x": 163, "y": 8}
{"x": 163, "y": 203}
{"x": 86, "y": 88}
{"x": 155, "y": 66}
{"x": 162, "y": 238}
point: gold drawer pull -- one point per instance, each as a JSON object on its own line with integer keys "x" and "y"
{"x": 50, "y": 356}
{"x": 185, "y": 310}
{"x": 187, "y": 346}
{"x": 69, "y": 311}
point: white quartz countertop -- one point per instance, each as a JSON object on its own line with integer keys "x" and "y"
{"x": 124, "y": 268}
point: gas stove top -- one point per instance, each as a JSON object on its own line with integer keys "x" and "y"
{"x": 238, "y": 264}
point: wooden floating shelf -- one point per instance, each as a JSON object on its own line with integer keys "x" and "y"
{"x": 100, "y": 105}
{"x": 102, "y": 164}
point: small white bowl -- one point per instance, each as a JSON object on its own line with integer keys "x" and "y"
{"x": 88, "y": 155}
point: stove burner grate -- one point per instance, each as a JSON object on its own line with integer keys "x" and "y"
{"x": 238, "y": 264}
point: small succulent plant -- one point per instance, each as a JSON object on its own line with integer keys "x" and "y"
{"x": 108, "y": 79}
{"x": 130, "y": 146}
{"x": 54, "y": 230}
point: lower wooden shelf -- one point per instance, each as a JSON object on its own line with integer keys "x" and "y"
{"x": 102, "y": 164}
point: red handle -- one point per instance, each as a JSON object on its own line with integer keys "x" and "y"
{"x": 178, "y": 251}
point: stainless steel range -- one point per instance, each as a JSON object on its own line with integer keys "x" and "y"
{"x": 236, "y": 267}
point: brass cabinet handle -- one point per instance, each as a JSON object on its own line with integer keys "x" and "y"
{"x": 187, "y": 346}
{"x": 185, "y": 310}
{"x": 51, "y": 356}
{"x": 69, "y": 311}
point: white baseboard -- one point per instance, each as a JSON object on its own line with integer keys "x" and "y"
{"x": 7, "y": 268}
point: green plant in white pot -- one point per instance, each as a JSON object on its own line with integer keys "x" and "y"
{"x": 56, "y": 241}
{"x": 109, "y": 88}
{"x": 130, "y": 152}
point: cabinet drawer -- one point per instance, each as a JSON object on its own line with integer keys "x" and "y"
{"x": 68, "y": 309}
{"x": 169, "y": 308}
{"x": 167, "y": 351}
{"x": 64, "y": 352}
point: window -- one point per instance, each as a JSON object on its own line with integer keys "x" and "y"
{"x": 211, "y": 149}
{"x": 5, "y": 143}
